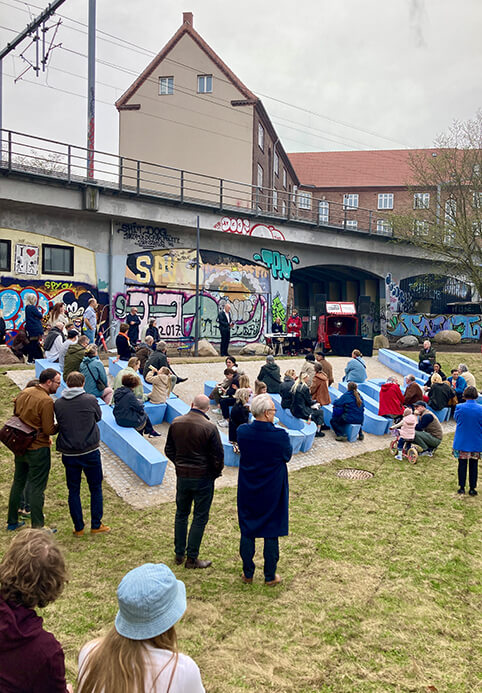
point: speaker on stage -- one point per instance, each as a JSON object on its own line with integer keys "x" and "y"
{"x": 364, "y": 305}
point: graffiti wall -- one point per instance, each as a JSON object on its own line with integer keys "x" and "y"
{"x": 75, "y": 296}
{"x": 424, "y": 325}
{"x": 162, "y": 283}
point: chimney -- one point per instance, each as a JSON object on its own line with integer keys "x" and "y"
{"x": 187, "y": 18}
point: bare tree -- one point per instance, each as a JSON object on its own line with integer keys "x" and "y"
{"x": 446, "y": 219}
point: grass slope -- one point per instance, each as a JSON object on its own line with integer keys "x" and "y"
{"x": 381, "y": 592}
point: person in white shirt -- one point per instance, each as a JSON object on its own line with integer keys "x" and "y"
{"x": 140, "y": 652}
{"x": 72, "y": 337}
{"x": 53, "y": 341}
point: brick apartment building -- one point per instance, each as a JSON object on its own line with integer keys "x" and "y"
{"x": 187, "y": 110}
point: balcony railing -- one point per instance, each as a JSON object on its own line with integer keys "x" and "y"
{"x": 37, "y": 156}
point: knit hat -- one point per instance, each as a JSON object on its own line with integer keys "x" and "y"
{"x": 151, "y": 600}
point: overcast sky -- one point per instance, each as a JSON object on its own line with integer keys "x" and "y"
{"x": 396, "y": 71}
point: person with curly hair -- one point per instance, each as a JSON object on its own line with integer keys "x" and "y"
{"x": 32, "y": 574}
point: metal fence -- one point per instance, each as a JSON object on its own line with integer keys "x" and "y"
{"x": 38, "y": 156}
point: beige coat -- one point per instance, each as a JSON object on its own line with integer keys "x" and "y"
{"x": 161, "y": 386}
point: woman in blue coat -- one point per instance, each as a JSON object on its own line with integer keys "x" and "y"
{"x": 128, "y": 411}
{"x": 95, "y": 376}
{"x": 263, "y": 492}
{"x": 356, "y": 370}
{"x": 34, "y": 329}
{"x": 347, "y": 409}
{"x": 468, "y": 439}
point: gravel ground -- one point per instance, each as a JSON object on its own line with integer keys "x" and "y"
{"x": 135, "y": 492}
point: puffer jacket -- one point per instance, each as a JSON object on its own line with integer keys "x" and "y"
{"x": 271, "y": 376}
{"x": 346, "y": 409}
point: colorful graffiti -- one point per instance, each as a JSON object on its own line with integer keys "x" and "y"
{"x": 425, "y": 325}
{"x": 162, "y": 285}
{"x": 75, "y": 297}
{"x": 147, "y": 236}
{"x": 396, "y": 298}
{"x": 278, "y": 310}
{"x": 279, "y": 264}
{"x": 244, "y": 227}
{"x": 174, "y": 312}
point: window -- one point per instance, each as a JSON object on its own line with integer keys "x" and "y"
{"x": 260, "y": 136}
{"x": 421, "y": 201}
{"x": 477, "y": 199}
{"x": 450, "y": 211}
{"x": 385, "y": 201}
{"x": 275, "y": 199}
{"x": 260, "y": 176}
{"x": 384, "y": 227}
{"x": 5, "y": 255}
{"x": 323, "y": 212}
{"x": 166, "y": 86}
{"x": 477, "y": 227}
{"x": 295, "y": 194}
{"x": 204, "y": 84}
{"x": 350, "y": 201}
{"x": 420, "y": 228}
{"x": 304, "y": 200}
{"x": 351, "y": 223}
{"x": 283, "y": 208}
{"x": 284, "y": 178}
{"x": 276, "y": 164}
{"x": 57, "y": 259}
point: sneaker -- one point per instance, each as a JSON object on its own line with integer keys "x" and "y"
{"x": 473, "y": 492}
{"x": 341, "y": 439}
{"x": 426, "y": 453}
{"x": 181, "y": 380}
{"x": 319, "y": 434}
{"x": 98, "y": 530}
{"x": 78, "y": 532}
{"x": 14, "y": 525}
{"x": 398, "y": 456}
{"x": 223, "y": 423}
{"x": 154, "y": 434}
{"x": 461, "y": 490}
{"x": 361, "y": 436}
{"x": 217, "y": 411}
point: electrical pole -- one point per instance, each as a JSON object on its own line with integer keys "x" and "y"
{"x": 91, "y": 92}
{"x": 48, "y": 12}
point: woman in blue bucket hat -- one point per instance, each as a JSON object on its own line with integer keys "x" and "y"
{"x": 140, "y": 653}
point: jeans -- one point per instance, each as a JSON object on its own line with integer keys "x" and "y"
{"x": 33, "y": 466}
{"x": 91, "y": 465}
{"x": 90, "y": 334}
{"x": 247, "y": 548}
{"x": 462, "y": 472}
{"x": 201, "y": 491}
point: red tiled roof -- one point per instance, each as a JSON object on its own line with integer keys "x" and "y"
{"x": 185, "y": 28}
{"x": 379, "y": 168}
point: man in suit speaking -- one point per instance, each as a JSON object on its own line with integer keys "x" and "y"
{"x": 225, "y": 324}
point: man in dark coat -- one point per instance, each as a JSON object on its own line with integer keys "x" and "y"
{"x": 133, "y": 320}
{"x": 263, "y": 493}
{"x": 413, "y": 391}
{"x": 158, "y": 359}
{"x": 225, "y": 324}
{"x": 194, "y": 446}
{"x": 270, "y": 375}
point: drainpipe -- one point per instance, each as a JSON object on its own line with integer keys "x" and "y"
{"x": 110, "y": 273}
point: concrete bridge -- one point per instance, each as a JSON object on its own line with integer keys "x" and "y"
{"x": 136, "y": 246}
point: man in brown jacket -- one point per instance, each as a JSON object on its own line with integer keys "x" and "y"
{"x": 194, "y": 446}
{"x": 326, "y": 366}
{"x": 35, "y": 407}
{"x": 413, "y": 392}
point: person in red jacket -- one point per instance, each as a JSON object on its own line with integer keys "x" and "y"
{"x": 293, "y": 326}
{"x": 32, "y": 574}
{"x": 391, "y": 400}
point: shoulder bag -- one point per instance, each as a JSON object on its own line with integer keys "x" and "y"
{"x": 17, "y": 435}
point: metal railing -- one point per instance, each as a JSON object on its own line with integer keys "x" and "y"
{"x": 37, "y": 156}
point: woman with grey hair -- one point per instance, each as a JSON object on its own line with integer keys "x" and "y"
{"x": 270, "y": 375}
{"x": 34, "y": 328}
{"x": 467, "y": 375}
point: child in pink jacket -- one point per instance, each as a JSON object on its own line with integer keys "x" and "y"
{"x": 407, "y": 431}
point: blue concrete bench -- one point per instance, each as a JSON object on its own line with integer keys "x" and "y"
{"x": 155, "y": 412}
{"x": 372, "y": 422}
{"x": 138, "y": 454}
{"x": 294, "y": 426}
{"x": 441, "y": 414}
{"x": 42, "y": 364}
{"x": 401, "y": 364}
{"x": 209, "y": 386}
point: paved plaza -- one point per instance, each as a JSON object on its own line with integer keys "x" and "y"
{"x": 135, "y": 492}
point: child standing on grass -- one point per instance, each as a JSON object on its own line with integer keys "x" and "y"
{"x": 407, "y": 431}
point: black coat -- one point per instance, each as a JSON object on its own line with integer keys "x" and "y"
{"x": 301, "y": 405}
{"x": 239, "y": 415}
{"x": 128, "y": 411}
{"x": 271, "y": 376}
{"x": 158, "y": 359}
{"x": 124, "y": 348}
{"x": 224, "y": 323}
{"x": 285, "y": 392}
{"x": 439, "y": 396}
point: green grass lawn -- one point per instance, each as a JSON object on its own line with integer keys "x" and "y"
{"x": 381, "y": 591}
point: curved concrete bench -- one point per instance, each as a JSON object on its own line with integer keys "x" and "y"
{"x": 372, "y": 422}
{"x": 441, "y": 414}
{"x": 401, "y": 364}
{"x": 138, "y": 454}
{"x": 294, "y": 426}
